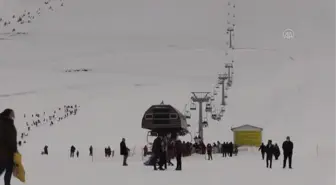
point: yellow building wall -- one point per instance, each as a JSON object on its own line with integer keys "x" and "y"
{"x": 249, "y": 138}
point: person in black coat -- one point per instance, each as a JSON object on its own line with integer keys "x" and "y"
{"x": 209, "y": 151}
{"x": 8, "y": 144}
{"x": 124, "y": 151}
{"x": 157, "y": 151}
{"x": 276, "y": 151}
{"x": 178, "y": 154}
{"x": 262, "y": 150}
{"x": 287, "y": 147}
{"x": 269, "y": 150}
{"x": 90, "y": 151}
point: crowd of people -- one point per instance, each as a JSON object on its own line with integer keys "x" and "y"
{"x": 40, "y": 119}
{"x": 26, "y": 17}
{"x": 163, "y": 151}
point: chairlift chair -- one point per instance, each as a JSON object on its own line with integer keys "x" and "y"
{"x": 214, "y": 116}
{"x": 215, "y": 92}
{"x": 208, "y": 107}
{"x": 205, "y": 122}
{"x": 217, "y": 86}
{"x": 187, "y": 114}
{"x": 193, "y": 106}
{"x": 212, "y": 98}
{"x": 222, "y": 109}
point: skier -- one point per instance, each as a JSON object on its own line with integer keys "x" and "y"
{"x": 287, "y": 148}
{"x": 77, "y": 153}
{"x": 8, "y": 144}
{"x": 269, "y": 149}
{"x": 262, "y": 150}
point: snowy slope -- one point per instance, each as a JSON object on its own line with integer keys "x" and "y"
{"x": 145, "y": 51}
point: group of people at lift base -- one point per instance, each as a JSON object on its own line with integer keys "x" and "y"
{"x": 271, "y": 150}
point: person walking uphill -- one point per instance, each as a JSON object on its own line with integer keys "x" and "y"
{"x": 124, "y": 151}
{"x": 8, "y": 144}
{"x": 287, "y": 148}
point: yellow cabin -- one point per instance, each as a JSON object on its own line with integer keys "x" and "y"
{"x": 247, "y": 135}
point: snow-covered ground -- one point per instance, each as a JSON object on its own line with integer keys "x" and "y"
{"x": 145, "y": 51}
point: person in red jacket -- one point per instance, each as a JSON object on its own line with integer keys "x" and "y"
{"x": 8, "y": 144}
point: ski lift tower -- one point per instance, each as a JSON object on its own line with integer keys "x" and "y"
{"x": 221, "y": 80}
{"x": 230, "y": 30}
{"x": 200, "y": 98}
{"x": 229, "y": 66}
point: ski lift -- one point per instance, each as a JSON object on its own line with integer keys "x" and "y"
{"x": 217, "y": 86}
{"x": 187, "y": 114}
{"x": 192, "y": 106}
{"x": 225, "y": 95}
{"x": 222, "y": 109}
{"x": 229, "y": 83}
{"x": 205, "y": 122}
{"x": 215, "y": 93}
{"x": 212, "y": 98}
{"x": 214, "y": 116}
{"x": 208, "y": 107}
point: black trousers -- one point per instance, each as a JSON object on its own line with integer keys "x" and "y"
{"x": 163, "y": 160}
{"x": 125, "y": 159}
{"x": 263, "y": 155}
{"x": 8, "y": 167}
{"x": 209, "y": 156}
{"x": 179, "y": 162}
{"x": 269, "y": 162}
{"x": 289, "y": 157}
{"x": 155, "y": 160}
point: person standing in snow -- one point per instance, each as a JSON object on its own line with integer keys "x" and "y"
{"x": 269, "y": 149}
{"x": 287, "y": 148}
{"x": 124, "y": 151}
{"x": 156, "y": 150}
{"x": 72, "y": 151}
{"x": 262, "y": 150}
{"x": 91, "y": 151}
{"x": 209, "y": 151}
{"x": 276, "y": 151}
{"x": 178, "y": 154}
{"x": 8, "y": 144}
